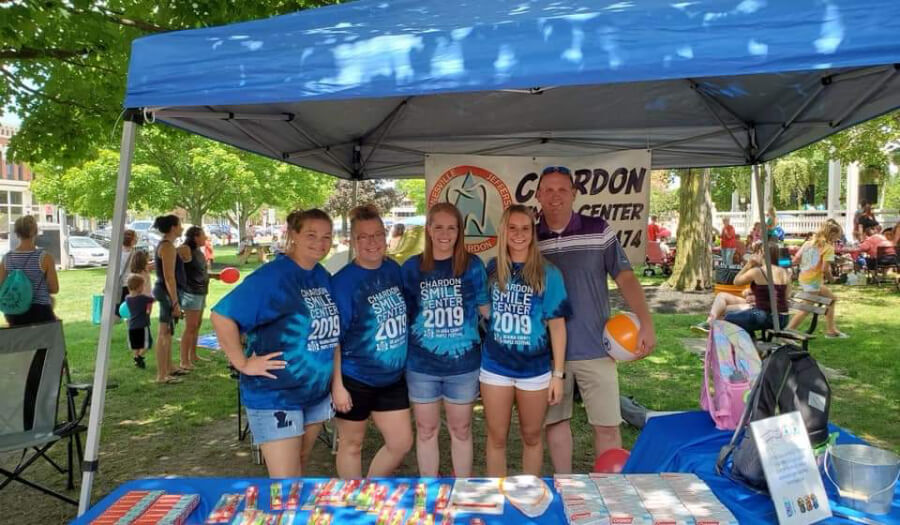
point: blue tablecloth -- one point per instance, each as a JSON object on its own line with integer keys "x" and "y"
{"x": 210, "y": 489}
{"x": 689, "y": 442}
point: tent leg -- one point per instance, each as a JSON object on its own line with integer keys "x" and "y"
{"x": 761, "y": 210}
{"x": 110, "y": 296}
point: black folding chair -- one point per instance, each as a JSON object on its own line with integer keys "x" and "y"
{"x": 885, "y": 260}
{"x": 32, "y": 370}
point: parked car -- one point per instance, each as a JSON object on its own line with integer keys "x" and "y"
{"x": 85, "y": 251}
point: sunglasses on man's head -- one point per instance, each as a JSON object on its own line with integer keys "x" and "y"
{"x": 556, "y": 169}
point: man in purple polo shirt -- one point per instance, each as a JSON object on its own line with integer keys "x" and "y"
{"x": 586, "y": 250}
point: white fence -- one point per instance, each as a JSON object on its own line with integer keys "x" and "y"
{"x": 796, "y": 223}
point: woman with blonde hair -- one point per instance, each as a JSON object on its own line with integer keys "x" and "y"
{"x": 445, "y": 289}
{"x": 287, "y": 312}
{"x": 526, "y": 338}
{"x": 815, "y": 258}
{"x": 40, "y": 269}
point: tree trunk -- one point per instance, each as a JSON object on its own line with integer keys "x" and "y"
{"x": 196, "y": 217}
{"x": 693, "y": 257}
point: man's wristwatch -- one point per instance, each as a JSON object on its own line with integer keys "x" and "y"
{"x": 559, "y": 375}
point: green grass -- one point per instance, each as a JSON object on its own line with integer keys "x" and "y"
{"x": 188, "y": 429}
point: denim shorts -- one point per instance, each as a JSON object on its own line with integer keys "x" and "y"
{"x": 274, "y": 424}
{"x": 459, "y": 389}
{"x": 753, "y": 319}
{"x": 193, "y": 301}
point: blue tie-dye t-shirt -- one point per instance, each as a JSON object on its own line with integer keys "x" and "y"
{"x": 373, "y": 323}
{"x": 443, "y": 313}
{"x": 518, "y": 343}
{"x": 283, "y": 308}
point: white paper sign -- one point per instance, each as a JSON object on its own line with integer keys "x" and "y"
{"x": 615, "y": 186}
{"x": 790, "y": 467}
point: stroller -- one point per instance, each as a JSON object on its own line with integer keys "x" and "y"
{"x": 658, "y": 259}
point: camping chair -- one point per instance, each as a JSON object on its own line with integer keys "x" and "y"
{"x": 32, "y": 368}
{"x": 884, "y": 262}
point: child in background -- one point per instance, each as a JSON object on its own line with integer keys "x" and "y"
{"x": 139, "y": 305}
{"x": 140, "y": 265}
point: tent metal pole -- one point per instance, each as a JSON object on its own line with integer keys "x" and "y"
{"x": 789, "y": 122}
{"x": 110, "y": 296}
{"x": 704, "y": 97}
{"x": 761, "y": 210}
{"x": 255, "y": 138}
{"x": 865, "y": 96}
{"x": 326, "y": 149}
{"x": 388, "y": 124}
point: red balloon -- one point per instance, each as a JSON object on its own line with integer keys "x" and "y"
{"x": 230, "y": 275}
{"x": 611, "y": 461}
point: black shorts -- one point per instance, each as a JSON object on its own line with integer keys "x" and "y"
{"x": 140, "y": 338}
{"x": 367, "y": 399}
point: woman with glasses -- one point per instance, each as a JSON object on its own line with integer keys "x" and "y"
{"x": 526, "y": 339}
{"x": 445, "y": 290}
{"x": 369, "y": 368}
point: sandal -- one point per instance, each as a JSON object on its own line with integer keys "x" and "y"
{"x": 180, "y": 372}
{"x": 837, "y": 335}
{"x": 169, "y": 380}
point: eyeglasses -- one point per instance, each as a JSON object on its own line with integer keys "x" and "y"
{"x": 556, "y": 169}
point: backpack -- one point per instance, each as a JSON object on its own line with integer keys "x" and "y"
{"x": 16, "y": 291}
{"x": 732, "y": 361}
{"x": 790, "y": 380}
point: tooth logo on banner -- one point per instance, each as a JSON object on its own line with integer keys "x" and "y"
{"x": 474, "y": 191}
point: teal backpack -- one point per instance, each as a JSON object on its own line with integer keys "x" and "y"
{"x": 15, "y": 291}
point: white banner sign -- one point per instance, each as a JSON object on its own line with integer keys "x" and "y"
{"x": 615, "y": 186}
{"x": 790, "y": 467}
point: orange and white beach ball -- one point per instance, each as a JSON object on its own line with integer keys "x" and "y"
{"x": 620, "y": 336}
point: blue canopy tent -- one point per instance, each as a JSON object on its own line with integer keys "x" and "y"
{"x": 367, "y": 89}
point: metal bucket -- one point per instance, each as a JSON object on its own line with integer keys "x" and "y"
{"x": 864, "y": 476}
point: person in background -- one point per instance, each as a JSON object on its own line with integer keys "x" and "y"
{"x": 141, "y": 265}
{"x": 771, "y": 221}
{"x": 865, "y": 220}
{"x": 196, "y": 287}
{"x": 587, "y": 252}
{"x": 446, "y": 294}
{"x": 170, "y": 281}
{"x": 209, "y": 252}
{"x": 397, "y": 232}
{"x": 524, "y": 354}
{"x": 896, "y": 236}
{"x": 653, "y": 229}
{"x": 729, "y": 242}
{"x": 756, "y": 314}
{"x": 40, "y": 269}
{"x": 287, "y": 312}
{"x": 873, "y": 241}
{"x": 129, "y": 240}
{"x": 754, "y": 236}
{"x": 370, "y": 366}
{"x": 815, "y": 258}
{"x": 139, "y": 306}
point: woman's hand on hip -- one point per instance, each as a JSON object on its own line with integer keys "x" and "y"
{"x": 260, "y": 365}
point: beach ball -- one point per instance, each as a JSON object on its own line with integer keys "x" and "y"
{"x": 620, "y": 336}
{"x": 230, "y": 275}
{"x": 123, "y": 310}
{"x": 611, "y": 461}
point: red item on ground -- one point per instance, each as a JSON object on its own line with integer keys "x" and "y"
{"x": 229, "y": 275}
{"x": 611, "y": 461}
